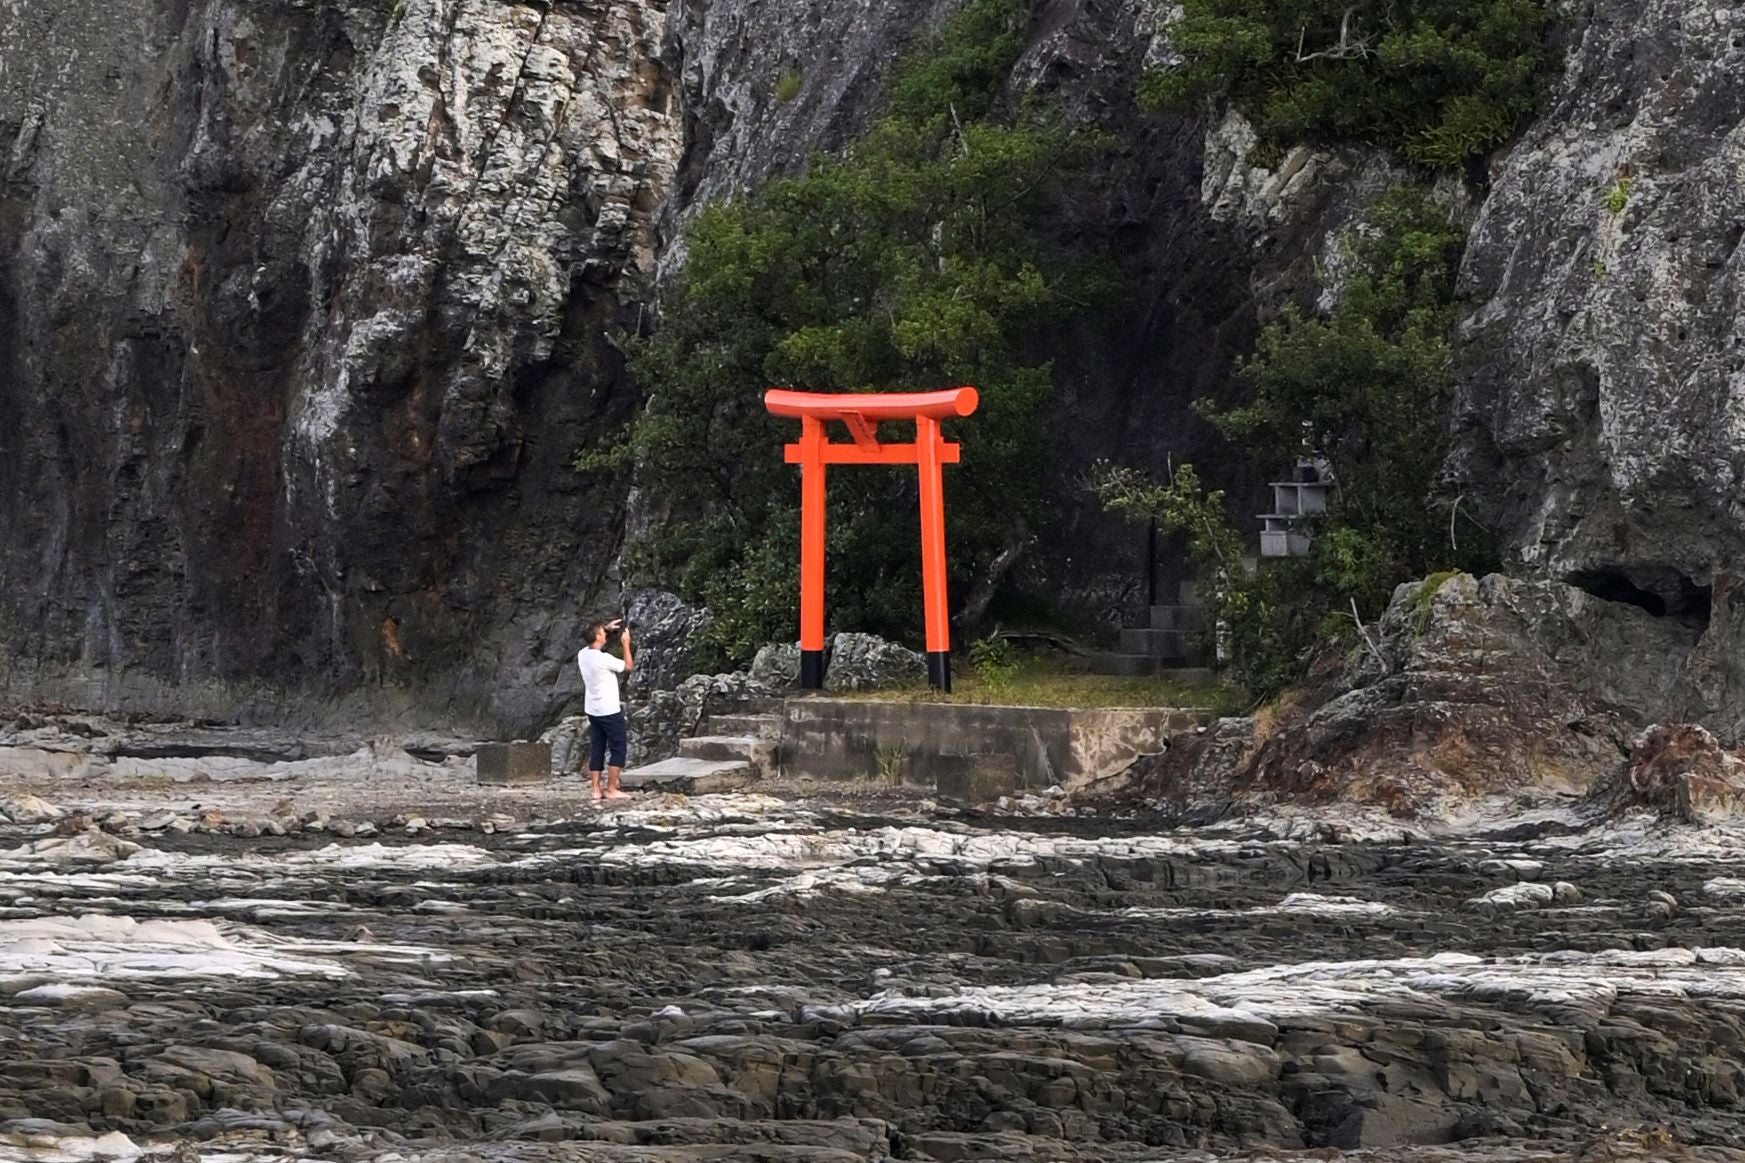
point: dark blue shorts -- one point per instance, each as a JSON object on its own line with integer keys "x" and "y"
{"x": 604, "y": 730}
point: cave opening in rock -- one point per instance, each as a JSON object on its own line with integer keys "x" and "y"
{"x": 1662, "y": 592}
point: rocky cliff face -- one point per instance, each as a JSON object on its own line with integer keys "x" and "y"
{"x": 1604, "y": 410}
{"x": 304, "y": 308}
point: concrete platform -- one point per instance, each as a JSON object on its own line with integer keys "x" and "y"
{"x": 969, "y": 751}
{"x": 689, "y": 776}
{"x": 739, "y": 747}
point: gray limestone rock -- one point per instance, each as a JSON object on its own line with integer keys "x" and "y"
{"x": 1605, "y": 394}
{"x": 664, "y": 625}
{"x": 855, "y": 662}
{"x": 1484, "y": 687}
{"x": 777, "y": 664}
{"x": 867, "y": 662}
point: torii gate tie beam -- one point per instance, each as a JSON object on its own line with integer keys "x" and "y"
{"x": 861, "y": 413}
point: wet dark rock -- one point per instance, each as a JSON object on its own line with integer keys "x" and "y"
{"x": 664, "y": 624}
{"x": 663, "y": 1018}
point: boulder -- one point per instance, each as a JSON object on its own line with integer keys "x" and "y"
{"x": 1682, "y": 770}
{"x": 1472, "y": 688}
{"x": 1466, "y": 688}
{"x": 665, "y": 624}
{"x": 777, "y": 664}
{"x": 29, "y": 809}
{"x": 568, "y": 741}
{"x": 868, "y": 662}
{"x": 854, "y": 662}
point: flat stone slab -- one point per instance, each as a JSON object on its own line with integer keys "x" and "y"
{"x": 513, "y": 763}
{"x": 690, "y": 776}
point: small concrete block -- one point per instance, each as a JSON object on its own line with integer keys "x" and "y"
{"x": 513, "y": 763}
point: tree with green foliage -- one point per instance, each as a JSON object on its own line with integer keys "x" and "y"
{"x": 1442, "y": 80}
{"x": 1367, "y": 386}
{"x": 910, "y": 260}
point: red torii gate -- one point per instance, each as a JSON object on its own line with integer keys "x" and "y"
{"x": 861, "y": 412}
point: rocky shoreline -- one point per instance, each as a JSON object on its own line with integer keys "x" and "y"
{"x": 305, "y": 967}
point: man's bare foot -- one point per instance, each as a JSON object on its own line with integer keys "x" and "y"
{"x": 615, "y": 794}
{"x": 595, "y": 795}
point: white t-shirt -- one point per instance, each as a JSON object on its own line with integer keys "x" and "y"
{"x": 600, "y": 673}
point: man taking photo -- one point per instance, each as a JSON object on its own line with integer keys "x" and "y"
{"x": 606, "y": 726}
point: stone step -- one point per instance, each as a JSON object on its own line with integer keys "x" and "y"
{"x": 762, "y": 726}
{"x": 1128, "y": 665}
{"x": 1177, "y": 617}
{"x": 749, "y": 748}
{"x": 1170, "y": 644}
{"x": 1147, "y": 665}
{"x": 689, "y": 776}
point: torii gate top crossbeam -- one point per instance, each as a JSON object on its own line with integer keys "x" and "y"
{"x": 940, "y": 405}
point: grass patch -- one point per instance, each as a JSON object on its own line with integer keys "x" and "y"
{"x": 788, "y": 86}
{"x": 1039, "y": 684}
{"x": 1618, "y": 196}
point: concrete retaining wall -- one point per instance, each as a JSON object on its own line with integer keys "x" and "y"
{"x": 967, "y": 751}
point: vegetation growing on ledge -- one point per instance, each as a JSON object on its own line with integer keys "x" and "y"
{"x": 911, "y": 260}
{"x": 1442, "y": 80}
{"x": 1367, "y": 387}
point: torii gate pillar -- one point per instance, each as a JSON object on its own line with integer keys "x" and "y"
{"x": 862, "y": 413}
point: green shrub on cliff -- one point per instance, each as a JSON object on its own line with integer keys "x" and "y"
{"x": 1443, "y": 80}
{"x": 909, "y": 260}
{"x": 1367, "y": 387}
